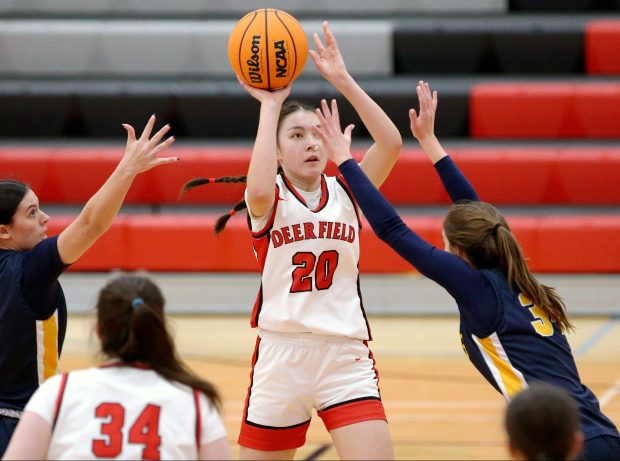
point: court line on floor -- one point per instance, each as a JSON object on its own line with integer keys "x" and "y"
{"x": 598, "y": 335}
{"x": 609, "y": 394}
{"x": 318, "y": 452}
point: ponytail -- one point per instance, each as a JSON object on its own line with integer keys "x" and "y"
{"x": 220, "y": 224}
{"x": 132, "y": 328}
{"x": 513, "y": 264}
{"x": 480, "y": 231}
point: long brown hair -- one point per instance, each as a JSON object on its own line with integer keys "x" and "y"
{"x": 132, "y": 328}
{"x": 288, "y": 108}
{"x": 481, "y": 233}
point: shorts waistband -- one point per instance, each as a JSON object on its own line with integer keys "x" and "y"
{"x": 305, "y": 339}
{"x": 10, "y": 413}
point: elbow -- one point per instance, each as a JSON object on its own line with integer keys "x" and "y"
{"x": 91, "y": 227}
{"x": 382, "y": 232}
{"x": 384, "y": 235}
{"x": 394, "y": 147}
{"x": 94, "y": 230}
{"x": 396, "y": 143}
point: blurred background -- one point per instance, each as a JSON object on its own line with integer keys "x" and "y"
{"x": 529, "y": 102}
{"x": 529, "y": 106}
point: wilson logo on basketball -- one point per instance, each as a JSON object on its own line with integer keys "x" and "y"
{"x": 281, "y": 61}
{"x": 254, "y": 62}
{"x": 267, "y": 49}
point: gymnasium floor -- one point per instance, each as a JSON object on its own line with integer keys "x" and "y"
{"x": 439, "y": 407}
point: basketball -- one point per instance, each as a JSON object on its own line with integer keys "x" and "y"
{"x": 267, "y": 48}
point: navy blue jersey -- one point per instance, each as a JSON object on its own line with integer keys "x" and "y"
{"x": 524, "y": 346}
{"x": 509, "y": 340}
{"x": 33, "y": 320}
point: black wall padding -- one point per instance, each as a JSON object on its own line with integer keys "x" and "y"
{"x": 439, "y": 51}
{"x": 96, "y": 109}
{"x": 562, "y": 6}
{"x": 489, "y": 47}
{"x": 539, "y": 52}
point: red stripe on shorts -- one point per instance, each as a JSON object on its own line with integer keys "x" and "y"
{"x": 354, "y": 411}
{"x": 272, "y": 438}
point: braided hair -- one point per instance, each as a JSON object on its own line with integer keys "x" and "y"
{"x": 240, "y": 205}
{"x": 288, "y": 108}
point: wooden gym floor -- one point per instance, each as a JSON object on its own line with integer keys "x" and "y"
{"x": 438, "y": 406}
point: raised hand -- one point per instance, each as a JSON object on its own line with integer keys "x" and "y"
{"x": 328, "y": 58}
{"x": 335, "y": 143}
{"x": 141, "y": 154}
{"x": 423, "y": 124}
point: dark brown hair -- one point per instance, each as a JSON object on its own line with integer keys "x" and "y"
{"x": 11, "y": 195}
{"x": 482, "y": 234}
{"x": 132, "y": 327}
{"x": 288, "y": 108}
{"x": 541, "y": 422}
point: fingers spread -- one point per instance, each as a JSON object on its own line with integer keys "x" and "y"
{"x": 348, "y": 130}
{"x": 165, "y": 144}
{"x": 335, "y": 113}
{"x": 161, "y": 160}
{"x": 146, "y": 134}
{"x": 131, "y": 134}
{"x": 327, "y": 115}
{"x": 317, "y": 42}
{"x": 421, "y": 100}
{"x": 157, "y": 136}
{"x": 322, "y": 121}
{"x": 314, "y": 56}
{"x": 330, "y": 40}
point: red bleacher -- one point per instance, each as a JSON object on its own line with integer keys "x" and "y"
{"x": 186, "y": 242}
{"x": 585, "y": 243}
{"x": 602, "y": 47}
{"x": 508, "y": 175}
{"x": 545, "y": 110}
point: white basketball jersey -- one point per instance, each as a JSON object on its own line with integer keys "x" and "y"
{"x": 309, "y": 263}
{"x": 124, "y": 412}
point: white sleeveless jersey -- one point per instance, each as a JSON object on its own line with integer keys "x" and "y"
{"x": 309, "y": 262}
{"x": 124, "y": 412}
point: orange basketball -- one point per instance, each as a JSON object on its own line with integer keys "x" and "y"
{"x": 267, "y": 48}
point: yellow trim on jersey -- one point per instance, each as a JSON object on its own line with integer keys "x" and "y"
{"x": 512, "y": 380}
{"x": 50, "y": 347}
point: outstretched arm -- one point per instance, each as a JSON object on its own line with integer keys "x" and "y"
{"x": 381, "y": 215}
{"x": 382, "y": 155}
{"x": 101, "y": 209}
{"x": 465, "y": 284}
{"x": 423, "y": 128}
